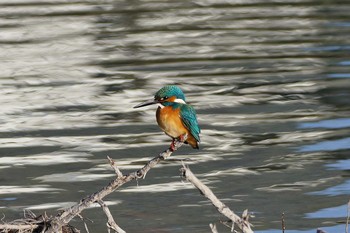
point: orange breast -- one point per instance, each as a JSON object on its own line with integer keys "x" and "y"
{"x": 170, "y": 122}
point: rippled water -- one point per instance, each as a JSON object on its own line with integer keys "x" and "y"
{"x": 269, "y": 80}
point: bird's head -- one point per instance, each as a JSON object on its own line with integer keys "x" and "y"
{"x": 166, "y": 94}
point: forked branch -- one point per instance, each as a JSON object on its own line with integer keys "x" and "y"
{"x": 66, "y": 216}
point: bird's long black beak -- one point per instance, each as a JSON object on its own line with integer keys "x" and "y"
{"x": 148, "y": 102}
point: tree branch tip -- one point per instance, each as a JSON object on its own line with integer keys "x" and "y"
{"x": 213, "y": 228}
{"x": 115, "y": 167}
{"x": 246, "y": 215}
{"x": 111, "y": 161}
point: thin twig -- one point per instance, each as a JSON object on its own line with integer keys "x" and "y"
{"x": 85, "y": 225}
{"x": 283, "y": 223}
{"x": 110, "y": 220}
{"x": 226, "y": 224}
{"x": 213, "y": 228}
{"x": 115, "y": 168}
{"x": 242, "y": 223}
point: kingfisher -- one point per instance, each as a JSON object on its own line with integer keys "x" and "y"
{"x": 174, "y": 116}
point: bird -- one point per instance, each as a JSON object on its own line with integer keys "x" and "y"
{"x": 174, "y": 116}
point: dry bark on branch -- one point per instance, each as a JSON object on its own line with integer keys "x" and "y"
{"x": 60, "y": 222}
{"x": 66, "y": 216}
{"x": 241, "y": 222}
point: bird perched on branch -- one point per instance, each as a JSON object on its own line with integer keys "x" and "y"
{"x": 174, "y": 116}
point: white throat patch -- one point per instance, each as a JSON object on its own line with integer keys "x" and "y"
{"x": 181, "y": 101}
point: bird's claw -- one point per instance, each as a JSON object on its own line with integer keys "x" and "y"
{"x": 181, "y": 138}
{"x": 172, "y": 146}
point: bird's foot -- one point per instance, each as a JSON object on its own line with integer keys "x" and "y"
{"x": 172, "y": 146}
{"x": 182, "y": 137}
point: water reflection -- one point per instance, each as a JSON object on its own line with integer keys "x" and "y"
{"x": 341, "y": 189}
{"x": 334, "y": 212}
{"x": 339, "y": 144}
{"x": 25, "y": 189}
{"x": 270, "y": 83}
{"x": 328, "y": 124}
{"x": 340, "y": 165}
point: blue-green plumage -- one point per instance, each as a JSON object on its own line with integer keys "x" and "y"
{"x": 187, "y": 112}
{"x": 188, "y": 116}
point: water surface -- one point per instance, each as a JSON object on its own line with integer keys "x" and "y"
{"x": 269, "y": 80}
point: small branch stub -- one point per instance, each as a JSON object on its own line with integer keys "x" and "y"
{"x": 115, "y": 168}
{"x": 213, "y": 228}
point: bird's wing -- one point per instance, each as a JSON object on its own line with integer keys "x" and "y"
{"x": 189, "y": 118}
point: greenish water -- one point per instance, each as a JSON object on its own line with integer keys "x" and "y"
{"x": 269, "y": 81}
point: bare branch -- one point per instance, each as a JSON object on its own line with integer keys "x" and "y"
{"x": 19, "y": 227}
{"x": 27, "y": 224}
{"x": 111, "y": 223}
{"x": 66, "y": 216}
{"x": 242, "y": 223}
